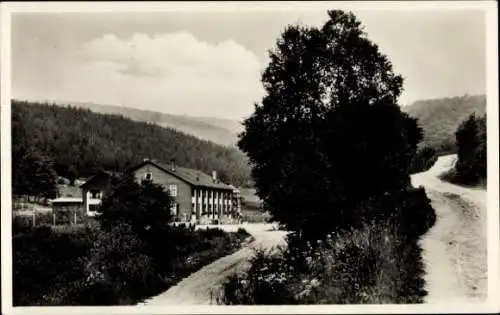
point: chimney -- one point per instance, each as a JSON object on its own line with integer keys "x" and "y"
{"x": 172, "y": 165}
{"x": 214, "y": 176}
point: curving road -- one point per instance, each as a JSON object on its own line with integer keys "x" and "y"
{"x": 204, "y": 285}
{"x": 454, "y": 249}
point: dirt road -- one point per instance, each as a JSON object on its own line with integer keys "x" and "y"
{"x": 454, "y": 249}
{"x": 202, "y": 286}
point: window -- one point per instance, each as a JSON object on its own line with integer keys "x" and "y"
{"x": 95, "y": 194}
{"x": 173, "y": 208}
{"x": 148, "y": 176}
{"x": 93, "y": 207}
{"x": 172, "y": 188}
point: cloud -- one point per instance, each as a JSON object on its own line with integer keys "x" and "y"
{"x": 173, "y": 72}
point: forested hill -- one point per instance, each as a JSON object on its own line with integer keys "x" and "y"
{"x": 217, "y": 130}
{"x": 81, "y": 142}
{"x": 440, "y": 118}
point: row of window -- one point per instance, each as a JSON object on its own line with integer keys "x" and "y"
{"x": 204, "y": 208}
{"x": 211, "y": 194}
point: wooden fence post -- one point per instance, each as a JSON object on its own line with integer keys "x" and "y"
{"x": 34, "y": 217}
{"x": 75, "y": 217}
{"x": 53, "y": 218}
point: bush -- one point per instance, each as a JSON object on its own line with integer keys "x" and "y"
{"x": 370, "y": 265}
{"x": 377, "y": 261}
{"x": 119, "y": 268}
{"x": 243, "y": 233}
{"x": 47, "y": 264}
{"x": 423, "y": 160}
{"x": 87, "y": 265}
{"x": 470, "y": 168}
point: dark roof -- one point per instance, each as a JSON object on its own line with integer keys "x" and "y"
{"x": 191, "y": 176}
{"x": 101, "y": 174}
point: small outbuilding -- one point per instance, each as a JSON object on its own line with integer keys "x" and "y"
{"x": 67, "y": 210}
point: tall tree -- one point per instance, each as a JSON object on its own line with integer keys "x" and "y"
{"x": 328, "y": 134}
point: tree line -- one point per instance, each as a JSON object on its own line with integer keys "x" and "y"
{"x": 71, "y": 142}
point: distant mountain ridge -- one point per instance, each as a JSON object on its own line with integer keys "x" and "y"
{"x": 440, "y": 118}
{"x": 218, "y": 130}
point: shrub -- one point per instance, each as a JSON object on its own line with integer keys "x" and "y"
{"x": 243, "y": 233}
{"x": 377, "y": 261}
{"x": 87, "y": 265}
{"x": 47, "y": 264}
{"x": 423, "y": 160}
{"x": 470, "y": 168}
{"x": 368, "y": 265}
{"x": 117, "y": 258}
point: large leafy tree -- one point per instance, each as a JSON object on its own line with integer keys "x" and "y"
{"x": 329, "y": 133}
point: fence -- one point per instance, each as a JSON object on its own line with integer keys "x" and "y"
{"x": 30, "y": 215}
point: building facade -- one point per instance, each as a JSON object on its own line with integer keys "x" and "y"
{"x": 197, "y": 197}
{"x": 93, "y": 190}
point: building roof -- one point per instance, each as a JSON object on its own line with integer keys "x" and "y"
{"x": 100, "y": 175}
{"x": 191, "y": 176}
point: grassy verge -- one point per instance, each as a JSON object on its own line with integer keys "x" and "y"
{"x": 370, "y": 265}
{"x": 83, "y": 265}
{"x": 376, "y": 262}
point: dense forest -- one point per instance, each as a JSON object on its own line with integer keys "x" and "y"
{"x": 218, "y": 130}
{"x": 440, "y": 118}
{"x": 78, "y": 143}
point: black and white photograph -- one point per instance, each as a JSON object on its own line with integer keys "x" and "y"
{"x": 187, "y": 157}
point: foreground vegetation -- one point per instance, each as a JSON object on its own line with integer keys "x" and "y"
{"x": 128, "y": 254}
{"x": 375, "y": 262}
{"x": 332, "y": 155}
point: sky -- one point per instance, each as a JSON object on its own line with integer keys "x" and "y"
{"x": 210, "y": 63}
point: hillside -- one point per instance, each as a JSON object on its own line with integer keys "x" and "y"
{"x": 217, "y": 130}
{"x": 81, "y": 142}
{"x": 440, "y": 118}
